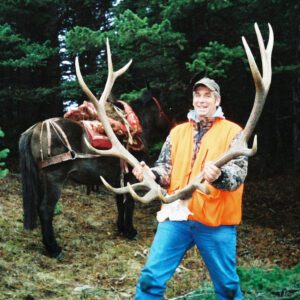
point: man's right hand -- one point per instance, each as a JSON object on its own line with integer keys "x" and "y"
{"x": 138, "y": 171}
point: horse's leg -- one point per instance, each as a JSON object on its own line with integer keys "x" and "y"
{"x": 120, "y": 219}
{"x": 130, "y": 231}
{"x": 125, "y": 216}
{"x": 52, "y": 188}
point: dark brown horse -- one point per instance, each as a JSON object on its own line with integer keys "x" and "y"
{"x": 42, "y": 187}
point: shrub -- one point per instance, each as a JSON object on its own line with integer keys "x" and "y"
{"x": 3, "y": 154}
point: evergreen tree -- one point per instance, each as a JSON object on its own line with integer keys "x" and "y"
{"x": 29, "y": 64}
{"x": 32, "y": 59}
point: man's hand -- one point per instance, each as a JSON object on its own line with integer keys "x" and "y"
{"x": 211, "y": 172}
{"x": 138, "y": 171}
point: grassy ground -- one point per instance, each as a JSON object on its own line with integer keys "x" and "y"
{"x": 100, "y": 264}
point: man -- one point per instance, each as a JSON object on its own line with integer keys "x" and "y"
{"x": 207, "y": 221}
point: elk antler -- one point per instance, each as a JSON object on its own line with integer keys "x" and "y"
{"x": 262, "y": 85}
{"x": 154, "y": 191}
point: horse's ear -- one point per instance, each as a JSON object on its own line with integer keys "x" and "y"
{"x": 146, "y": 96}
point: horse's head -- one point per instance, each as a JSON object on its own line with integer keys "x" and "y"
{"x": 156, "y": 122}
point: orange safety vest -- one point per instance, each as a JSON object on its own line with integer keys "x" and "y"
{"x": 220, "y": 207}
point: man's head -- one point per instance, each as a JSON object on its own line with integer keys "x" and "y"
{"x": 206, "y": 97}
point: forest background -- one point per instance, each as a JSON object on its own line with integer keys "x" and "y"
{"x": 172, "y": 43}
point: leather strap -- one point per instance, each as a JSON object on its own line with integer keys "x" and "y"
{"x": 55, "y": 159}
{"x": 70, "y": 155}
{"x": 162, "y": 114}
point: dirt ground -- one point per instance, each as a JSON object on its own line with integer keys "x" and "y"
{"x": 100, "y": 264}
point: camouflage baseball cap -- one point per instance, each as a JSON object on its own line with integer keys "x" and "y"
{"x": 210, "y": 83}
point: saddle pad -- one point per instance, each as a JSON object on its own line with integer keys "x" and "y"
{"x": 96, "y": 138}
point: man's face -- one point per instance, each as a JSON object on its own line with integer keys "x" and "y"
{"x": 205, "y": 101}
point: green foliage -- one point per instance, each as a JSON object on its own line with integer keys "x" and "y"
{"x": 24, "y": 95}
{"x": 176, "y": 7}
{"x": 259, "y": 284}
{"x": 155, "y": 149}
{"x": 216, "y": 5}
{"x": 287, "y": 69}
{"x": 18, "y": 52}
{"x": 135, "y": 31}
{"x": 3, "y": 154}
{"x": 215, "y": 59}
{"x": 132, "y": 95}
{"x": 82, "y": 39}
{"x": 58, "y": 208}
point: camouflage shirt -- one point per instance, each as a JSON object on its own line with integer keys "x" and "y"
{"x": 233, "y": 173}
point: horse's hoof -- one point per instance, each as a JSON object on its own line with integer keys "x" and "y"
{"x": 57, "y": 253}
{"x": 134, "y": 238}
{"x": 60, "y": 256}
{"x": 133, "y": 235}
{"x": 128, "y": 234}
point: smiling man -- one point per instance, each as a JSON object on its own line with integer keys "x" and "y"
{"x": 206, "y": 221}
{"x": 206, "y": 97}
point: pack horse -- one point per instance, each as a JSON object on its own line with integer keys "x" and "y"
{"x": 54, "y": 150}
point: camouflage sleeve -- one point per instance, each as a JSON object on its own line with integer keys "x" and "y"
{"x": 163, "y": 166}
{"x": 233, "y": 173}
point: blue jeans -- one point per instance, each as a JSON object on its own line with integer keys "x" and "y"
{"x": 217, "y": 246}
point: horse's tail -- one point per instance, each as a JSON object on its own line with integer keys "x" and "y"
{"x": 30, "y": 180}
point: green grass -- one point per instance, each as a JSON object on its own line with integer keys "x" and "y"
{"x": 277, "y": 283}
{"x": 259, "y": 284}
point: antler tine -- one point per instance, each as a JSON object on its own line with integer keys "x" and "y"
{"x": 269, "y": 55}
{"x": 261, "y": 84}
{"x": 270, "y": 42}
{"x": 122, "y": 190}
{"x": 262, "y": 49}
{"x": 112, "y": 76}
{"x": 153, "y": 193}
{"x": 83, "y": 85}
{"x": 265, "y": 54}
{"x": 132, "y": 188}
